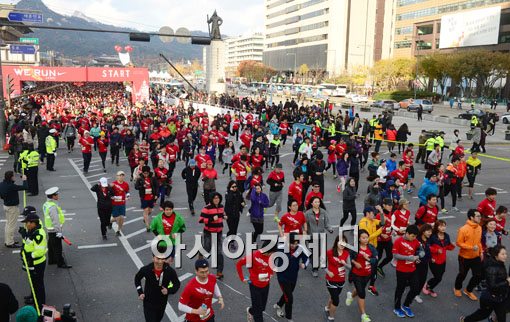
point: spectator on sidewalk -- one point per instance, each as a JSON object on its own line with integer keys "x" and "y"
{"x": 9, "y": 193}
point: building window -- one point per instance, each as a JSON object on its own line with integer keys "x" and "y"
{"x": 444, "y": 8}
{"x": 423, "y": 45}
{"x": 425, "y": 30}
{"x": 295, "y": 30}
{"x": 296, "y": 41}
{"x": 404, "y": 30}
{"x": 504, "y": 38}
{"x": 294, "y": 19}
{"x": 403, "y": 44}
{"x": 402, "y": 3}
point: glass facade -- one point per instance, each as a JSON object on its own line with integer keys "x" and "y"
{"x": 295, "y": 30}
{"x": 459, "y": 6}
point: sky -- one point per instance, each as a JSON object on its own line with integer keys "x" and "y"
{"x": 239, "y": 16}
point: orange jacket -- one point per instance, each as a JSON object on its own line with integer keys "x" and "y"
{"x": 468, "y": 236}
{"x": 461, "y": 169}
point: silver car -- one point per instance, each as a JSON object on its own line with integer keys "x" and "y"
{"x": 425, "y": 104}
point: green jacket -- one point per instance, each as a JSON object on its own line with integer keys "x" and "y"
{"x": 178, "y": 227}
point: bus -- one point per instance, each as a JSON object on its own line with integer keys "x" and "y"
{"x": 334, "y": 90}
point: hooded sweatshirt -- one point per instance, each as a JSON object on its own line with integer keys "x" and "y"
{"x": 468, "y": 236}
{"x": 426, "y": 189}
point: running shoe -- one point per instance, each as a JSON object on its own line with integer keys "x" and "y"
{"x": 425, "y": 290}
{"x": 117, "y": 233}
{"x": 432, "y": 293}
{"x": 455, "y": 209}
{"x": 279, "y": 311}
{"x": 249, "y": 317}
{"x": 399, "y": 313}
{"x": 457, "y": 292}
{"x": 409, "y": 190}
{"x": 365, "y": 318}
{"x": 461, "y": 319}
{"x": 407, "y": 311}
{"x": 326, "y": 309}
{"x": 444, "y": 211}
{"x": 418, "y": 299}
{"x": 372, "y": 290}
{"x": 471, "y": 296}
{"x": 338, "y": 188}
{"x": 315, "y": 273}
{"x": 348, "y": 300}
{"x": 381, "y": 272}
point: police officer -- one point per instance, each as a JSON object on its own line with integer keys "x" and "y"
{"x": 474, "y": 121}
{"x": 51, "y": 150}
{"x": 34, "y": 249}
{"x": 440, "y": 140}
{"x": 429, "y": 145}
{"x": 29, "y": 160}
{"x": 54, "y": 221}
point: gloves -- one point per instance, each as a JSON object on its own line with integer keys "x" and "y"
{"x": 59, "y": 235}
{"x": 23, "y": 232}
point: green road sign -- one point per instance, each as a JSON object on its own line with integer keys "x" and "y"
{"x": 34, "y": 41}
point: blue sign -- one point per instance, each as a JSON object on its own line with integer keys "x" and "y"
{"x": 22, "y": 49}
{"x": 25, "y": 17}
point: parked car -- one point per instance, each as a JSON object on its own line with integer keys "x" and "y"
{"x": 425, "y": 104}
{"x": 405, "y": 103}
{"x": 386, "y": 104}
{"x": 359, "y": 99}
{"x": 467, "y": 115}
{"x": 505, "y": 118}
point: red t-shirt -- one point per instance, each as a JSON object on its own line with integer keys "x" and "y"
{"x": 401, "y": 219}
{"x": 427, "y": 215}
{"x": 401, "y": 175}
{"x": 296, "y": 192}
{"x": 240, "y": 170}
{"x": 366, "y": 268}
{"x": 284, "y": 128}
{"x": 195, "y": 294}
{"x": 161, "y": 174}
{"x": 256, "y": 160}
{"x": 310, "y": 195}
{"x": 500, "y": 224}
{"x": 148, "y": 189}
{"x": 335, "y": 266}
{"x": 293, "y": 223}
{"x": 386, "y": 230}
{"x": 246, "y": 139}
{"x": 120, "y": 190}
{"x": 260, "y": 271}
{"x": 405, "y": 248}
{"x": 487, "y": 208}
{"x": 172, "y": 151}
{"x": 86, "y": 144}
{"x": 168, "y": 223}
{"x": 102, "y": 145}
{"x": 202, "y": 160}
{"x": 222, "y": 137}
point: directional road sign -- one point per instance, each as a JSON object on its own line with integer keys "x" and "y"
{"x": 22, "y": 49}
{"x": 34, "y": 41}
{"x": 25, "y": 17}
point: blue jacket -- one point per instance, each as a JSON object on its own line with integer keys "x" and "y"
{"x": 391, "y": 165}
{"x": 258, "y": 203}
{"x": 426, "y": 189}
{"x": 341, "y": 167}
{"x": 291, "y": 273}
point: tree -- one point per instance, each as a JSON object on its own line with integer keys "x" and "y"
{"x": 389, "y": 74}
{"x": 436, "y": 67}
{"x": 254, "y": 70}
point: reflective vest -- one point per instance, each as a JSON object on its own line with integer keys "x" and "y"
{"x": 51, "y": 144}
{"x": 318, "y": 123}
{"x": 36, "y": 248}
{"x": 439, "y": 140}
{"x": 22, "y": 159}
{"x": 430, "y": 144}
{"x": 474, "y": 120}
{"x": 332, "y": 129}
{"x": 373, "y": 123}
{"x": 47, "y": 219}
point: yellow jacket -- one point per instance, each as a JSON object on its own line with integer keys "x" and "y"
{"x": 370, "y": 225}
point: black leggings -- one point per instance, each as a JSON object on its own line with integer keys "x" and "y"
{"x": 331, "y": 164}
{"x": 485, "y": 310}
{"x": 422, "y": 269}
{"x": 437, "y": 271}
{"x": 403, "y": 280}
{"x": 385, "y": 246}
{"x": 360, "y": 284}
{"x": 475, "y": 265}
{"x": 70, "y": 142}
{"x": 259, "y": 229}
{"x": 445, "y": 190}
{"x": 334, "y": 289}
{"x": 103, "y": 159}
{"x": 352, "y": 212}
{"x": 287, "y": 298}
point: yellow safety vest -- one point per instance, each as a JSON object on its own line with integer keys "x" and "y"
{"x": 36, "y": 248}
{"x": 372, "y": 122}
{"x": 33, "y": 159}
{"x": 474, "y": 120}
{"x": 440, "y": 141}
{"x": 51, "y": 144}
{"x": 332, "y": 129}
{"x": 22, "y": 159}
{"x": 430, "y": 144}
{"x": 47, "y": 219}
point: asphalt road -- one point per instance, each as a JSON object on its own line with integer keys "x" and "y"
{"x": 100, "y": 285}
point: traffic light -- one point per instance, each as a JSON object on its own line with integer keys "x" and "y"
{"x": 10, "y": 88}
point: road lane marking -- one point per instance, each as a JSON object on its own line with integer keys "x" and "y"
{"x": 272, "y": 231}
{"x": 142, "y": 247}
{"x": 94, "y": 175}
{"x": 97, "y": 246}
{"x": 169, "y": 311}
{"x": 446, "y": 217}
{"x": 138, "y": 232}
{"x": 185, "y": 276}
{"x": 132, "y": 221}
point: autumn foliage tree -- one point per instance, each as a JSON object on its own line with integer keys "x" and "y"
{"x": 254, "y": 70}
{"x": 389, "y": 74}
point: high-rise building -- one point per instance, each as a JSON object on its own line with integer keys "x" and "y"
{"x": 469, "y": 24}
{"x": 245, "y": 47}
{"x": 327, "y": 35}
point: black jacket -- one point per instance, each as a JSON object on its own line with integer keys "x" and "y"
{"x": 233, "y": 201}
{"x": 8, "y": 304}
{"x": 153, "y": 286}
{"x": 497, "y": 286}
{"x": 9, "y": 192}
{"x": 139, "y": 185}
{"x": 349, "y": 198}
{"x": 103, "y": 202}
{"x": 190, "y": 177}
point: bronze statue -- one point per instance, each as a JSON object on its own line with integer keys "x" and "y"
{"x": 215, "y": 22}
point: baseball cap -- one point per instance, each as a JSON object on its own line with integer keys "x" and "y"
{"x": 120, "y": 173}
{"x": 104, "y": 182}
{"x": 29, "y": 210}
{"x": 31, "y": 217}
{"x": 201, "y": 263}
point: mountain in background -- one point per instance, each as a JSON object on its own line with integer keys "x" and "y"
{"x": 84, "y": 46}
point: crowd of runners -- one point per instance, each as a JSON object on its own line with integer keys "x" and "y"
{"x": 244, "y": 145}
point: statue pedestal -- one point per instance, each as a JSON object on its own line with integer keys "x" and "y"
{"x": 215, "y": 67}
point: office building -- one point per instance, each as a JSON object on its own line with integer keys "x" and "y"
{"x": 245, "y": 47}
{"x": 469, "y": 24}
{"x": 328, "y": 35}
